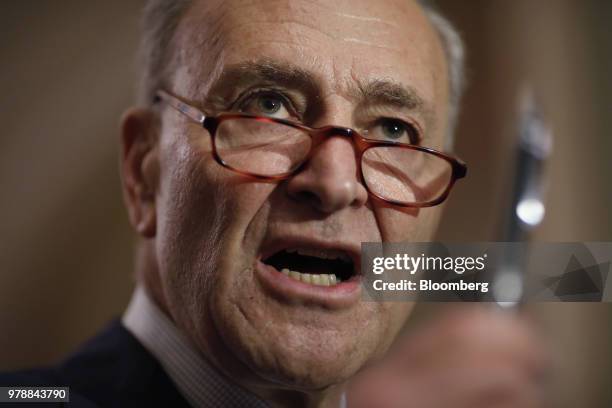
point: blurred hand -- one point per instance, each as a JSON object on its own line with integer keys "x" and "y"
{"x": 472, "y": 357}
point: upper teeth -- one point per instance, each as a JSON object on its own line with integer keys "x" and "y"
{"x": 322, "y": 279}
{"x": 321, "y": 253}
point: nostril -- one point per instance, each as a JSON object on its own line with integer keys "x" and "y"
{"x": 308, "y": 197}
{"x": 326, "y": 194}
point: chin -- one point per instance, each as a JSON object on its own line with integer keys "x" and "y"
{"x": 302, "y": 367}
{"x": 294, "y": 354}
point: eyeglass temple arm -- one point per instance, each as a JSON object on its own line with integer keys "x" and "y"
{"x": 182, "y": 107}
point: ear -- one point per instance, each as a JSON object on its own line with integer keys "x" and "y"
{"x": 139, "y": 167}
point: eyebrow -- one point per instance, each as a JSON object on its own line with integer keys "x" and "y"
{"x": 264, "y": 71}
{"x": 378, "y": 91}
{"x": 387, "y": 92}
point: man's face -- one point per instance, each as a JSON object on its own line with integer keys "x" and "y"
{"x": 216, "y": 230}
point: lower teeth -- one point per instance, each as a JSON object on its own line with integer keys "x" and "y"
{"x": 322, "y": 279}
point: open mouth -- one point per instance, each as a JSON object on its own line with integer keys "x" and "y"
{"x": 323, "y": 267}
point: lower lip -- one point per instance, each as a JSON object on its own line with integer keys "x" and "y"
{"x": 338, "y": 296}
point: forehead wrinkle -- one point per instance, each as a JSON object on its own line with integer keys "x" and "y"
{"x": 301, "y": 15}
{"x": 331, "y": 11}
{"x": 369, "y": 43}
{"x": 364, "y": 18}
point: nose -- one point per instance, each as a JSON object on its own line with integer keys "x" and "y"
{"x": 330, "y": 180}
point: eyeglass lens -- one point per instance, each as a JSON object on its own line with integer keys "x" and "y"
{"x": 270, "y": 149}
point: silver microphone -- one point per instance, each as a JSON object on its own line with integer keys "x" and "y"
{"x": 527, "y": 207}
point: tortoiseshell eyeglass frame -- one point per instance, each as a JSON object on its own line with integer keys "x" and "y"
{"x": 318, "y": 135}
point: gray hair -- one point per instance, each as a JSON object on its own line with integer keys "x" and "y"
{"x": 455, "y": 57}
{"x": 161, "y": 17}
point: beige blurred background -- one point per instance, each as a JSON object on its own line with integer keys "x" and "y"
{"x": 67, "y": 71}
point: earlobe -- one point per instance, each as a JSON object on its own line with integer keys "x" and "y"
{"x": 139, "y": 167}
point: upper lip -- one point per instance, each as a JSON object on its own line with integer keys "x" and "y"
{"x": 279, "y": 243}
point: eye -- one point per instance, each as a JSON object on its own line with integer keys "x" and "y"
{"x": 267, "y": 103}
{"x": 394, "y": 130}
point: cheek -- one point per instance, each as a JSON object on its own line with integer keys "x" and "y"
{"x": 199, "y": 199}
{"x": 417, "y": 225}
{"x": 204, "y": 211}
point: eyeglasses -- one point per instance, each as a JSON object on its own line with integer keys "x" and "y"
{"x": 267, "y": 148}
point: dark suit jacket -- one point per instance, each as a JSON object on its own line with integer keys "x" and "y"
{"x": 111, "y": 370}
